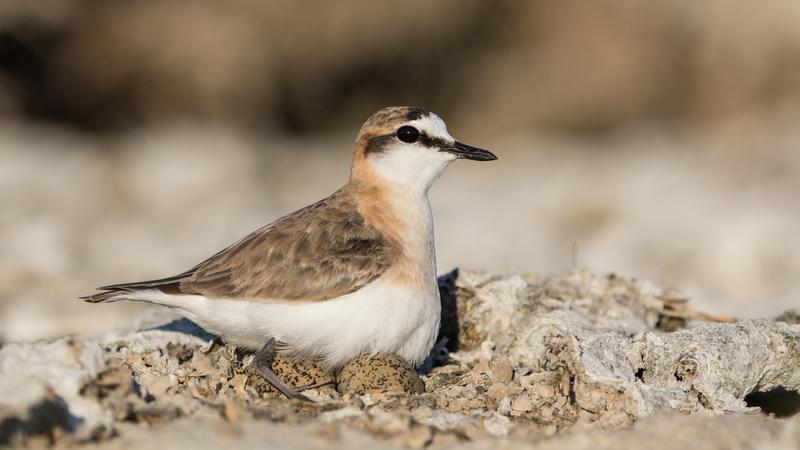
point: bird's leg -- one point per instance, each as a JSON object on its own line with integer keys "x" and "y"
{"x": 263, "y": 365}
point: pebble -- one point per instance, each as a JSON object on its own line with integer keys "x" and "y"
{"x": 502, "y": 371}
{"x": 480, "y": 367}
{"x": 232, "y": 411}
{"x": 202, "y": 364}
{"x": 353, "y": 400}
{"x": 523, "y": 403}
{"x": 545, "y": 390}
{"x": 239, "y": 383}
{"x": 158, "y": 387}
{"x": 497, "y": 392}
{"x": 417, "y": 437}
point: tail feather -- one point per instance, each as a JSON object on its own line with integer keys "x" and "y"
{"x": 169, "y": 285}
{"x": 102, "y": 296}
{"x": 164, "y": 284}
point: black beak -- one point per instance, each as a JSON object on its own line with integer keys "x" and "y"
{"x": 464, "y": 151}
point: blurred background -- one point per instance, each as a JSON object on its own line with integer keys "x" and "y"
{"x": 658, "y": 140}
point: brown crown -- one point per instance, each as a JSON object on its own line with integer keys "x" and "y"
{"x": 383, "y": 123}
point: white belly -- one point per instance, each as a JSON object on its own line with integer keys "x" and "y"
{"x": 380, "y": 317}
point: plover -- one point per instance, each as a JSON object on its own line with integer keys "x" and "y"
{"x": 353, "y": 273}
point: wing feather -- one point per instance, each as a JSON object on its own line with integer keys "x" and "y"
{"x": 320, "y": 252}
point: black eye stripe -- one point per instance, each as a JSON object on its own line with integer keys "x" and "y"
{"x": 378, "y": 144}
{"x": 432, "y": 142}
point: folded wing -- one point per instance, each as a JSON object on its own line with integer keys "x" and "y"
{"x": 320, "y": 252}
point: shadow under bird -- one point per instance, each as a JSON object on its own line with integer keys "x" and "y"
{"x": 353, "y": 273}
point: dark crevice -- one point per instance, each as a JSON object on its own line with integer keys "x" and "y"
{"x": 703, "y": 400}
{"x": 572, "y": 399}
{"x": 449, "y": 327}
{"x": 778, "y": 402}
{"x": 639, "y": 374}
{"x": 669, "y": 324}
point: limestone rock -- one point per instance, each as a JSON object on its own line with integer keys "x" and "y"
{"x": 600, "y": 340}
{"x": 552, "y": 363}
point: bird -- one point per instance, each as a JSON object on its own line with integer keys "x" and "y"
{"x": 350, "y": 274}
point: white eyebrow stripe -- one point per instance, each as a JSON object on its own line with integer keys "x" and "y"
{"x": 433, "y": 126}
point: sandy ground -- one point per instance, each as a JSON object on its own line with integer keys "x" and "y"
{"x": 712, "y": 214}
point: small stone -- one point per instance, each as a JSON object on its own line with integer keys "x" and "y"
{"x": 504, "y": 407}
{"x": 417, "y": 437}
{"x": 329, "y": 432}
{"x": 422, "y": 414}
{"x": 472, "y": 431}
{"x": 565, "y": 386}
{"x": 496, "y": 424}
{"x": 158, "y": 387}
{"x": 232, "y": 411}
{"x": 527, "y": 431}
{"x": 116, "y": 377}
{"x": 458, "y": 405}
{"x": 368, "y": 400}
{"x": 353, "y": 400}
{"x": 497, "y": 392}
{"x": 382, "y": 373}
{"x": 116, "y": 382}
{"x": 481, "y": 367}
{"x": 202, "y": 364}
{"x": 445, "y": 440}
{"x": 391, "y": 424}
{"x": 501, "y": 370}
{"x": 523, "y": 403}
{"x": 201, "y": 389}
{"x": 469, "y": 392}
{"x": 487, "y": 349}
{"x": 545, "y": 390}
{"x": 239, "y": 383}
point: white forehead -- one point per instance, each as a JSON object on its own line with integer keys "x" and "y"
{"x": 433, "y": 126}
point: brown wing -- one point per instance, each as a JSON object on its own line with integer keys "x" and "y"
{"x": 320, "y": 252}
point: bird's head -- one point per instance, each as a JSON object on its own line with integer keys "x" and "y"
{"x": 408, "y": 146}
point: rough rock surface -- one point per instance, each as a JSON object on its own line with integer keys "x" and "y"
{"x": 576, "y": 361}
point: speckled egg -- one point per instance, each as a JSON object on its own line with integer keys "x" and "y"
{"x": 293, "y": 373}
{"x": 382, "y": 373}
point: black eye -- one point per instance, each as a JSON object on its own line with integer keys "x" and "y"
{"x": 408, "y": 134}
